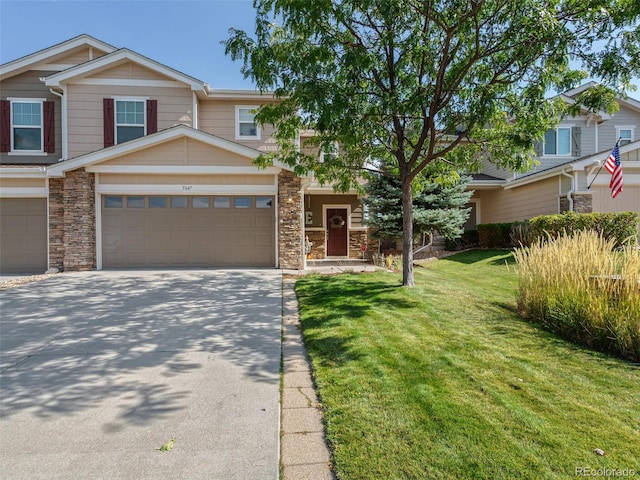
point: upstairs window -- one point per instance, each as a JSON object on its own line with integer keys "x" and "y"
{"x": 558, "y": 141}
{"x": 246, "y": 126}
{"x": 27, "y": 126}
{"x": 26, "y": 123}
{"x": 130, "y": 120}
{"x": 625, "y": 134}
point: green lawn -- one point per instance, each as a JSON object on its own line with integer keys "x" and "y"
{"x": 445, "y": 380}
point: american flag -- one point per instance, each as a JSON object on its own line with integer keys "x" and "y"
{"x": 615, "y": 169}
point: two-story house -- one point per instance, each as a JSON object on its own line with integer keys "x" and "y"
{"x": 109, "y": 159}
{"x": 569, "y": 176}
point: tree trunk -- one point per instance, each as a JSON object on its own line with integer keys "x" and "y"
{"x": 407, "y": 231}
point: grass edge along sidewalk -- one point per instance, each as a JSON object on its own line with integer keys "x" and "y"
{"x": 446, "y": 381}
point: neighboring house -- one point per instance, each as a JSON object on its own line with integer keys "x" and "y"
{"x": 109, "y": 159}
{"x": 570, "y": 158}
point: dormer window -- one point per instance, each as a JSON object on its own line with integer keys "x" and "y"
{"x": 246, "y": 126}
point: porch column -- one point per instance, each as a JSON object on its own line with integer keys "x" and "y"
{"x": 290, "y": 226}
{"x": 56, "y": 224}
{"x": 79, "y": 221}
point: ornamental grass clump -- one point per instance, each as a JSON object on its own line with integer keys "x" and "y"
{"x": 580, "y": 287}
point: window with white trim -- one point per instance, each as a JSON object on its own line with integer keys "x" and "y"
{"x": 328, "y": 151}
{"x": 130, "y": 119}
{"x": 558, "y": 141}
{"x": 246, "y": 126}
{"x": 625, "y": 134}
{"x": 27, "y": 126}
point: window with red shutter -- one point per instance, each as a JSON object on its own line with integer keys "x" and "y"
{"x": 5, "y": 126}
{"x": 152, "y": 116}
{"x": 108, "y": 122}
{"x": 48, "y": 110}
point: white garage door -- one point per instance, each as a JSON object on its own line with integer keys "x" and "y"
{"x": 23, "y": 235}
{"x": 188, "y": 231}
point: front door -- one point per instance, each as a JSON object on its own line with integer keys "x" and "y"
{"x": 336, "y": 222}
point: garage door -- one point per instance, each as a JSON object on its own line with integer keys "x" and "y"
{"x": 23, "y": 235}
{"x": 188, "y": 231}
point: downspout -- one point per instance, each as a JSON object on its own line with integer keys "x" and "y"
{"x": 571, "y": 190}
{"x": 63, "y": 116}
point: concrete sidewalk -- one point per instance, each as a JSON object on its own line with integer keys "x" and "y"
{"x": 304, "y": 454}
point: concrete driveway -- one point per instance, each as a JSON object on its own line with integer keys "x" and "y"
{"x": 100, "y": 369}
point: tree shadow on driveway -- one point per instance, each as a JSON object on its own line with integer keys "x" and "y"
{"x": 79, "y": 341}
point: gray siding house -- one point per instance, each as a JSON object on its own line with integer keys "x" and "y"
{"x": 569, "y": 161}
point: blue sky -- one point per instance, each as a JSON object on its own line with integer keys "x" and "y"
{"x": 182, "y": 34}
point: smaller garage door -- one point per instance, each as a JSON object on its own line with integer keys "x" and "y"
{"x": 23, "y": 235}
{"x": 188, "y": 231}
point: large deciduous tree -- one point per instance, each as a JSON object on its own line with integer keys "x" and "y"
{"x": 422, "y": 82}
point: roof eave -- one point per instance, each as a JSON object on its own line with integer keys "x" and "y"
{"x": 105, "y": 61}
{"x": 22, "y": 64}
{"x": 178, "y": 131}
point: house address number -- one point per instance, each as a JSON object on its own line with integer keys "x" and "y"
{"x": 186, "y": 188}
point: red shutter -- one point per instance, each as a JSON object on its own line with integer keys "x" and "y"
{"x": 5, "y": 125}
{"x": 108, "y": 122}
{"x": 48, "y": 109}
{"x": 152, "y": 116}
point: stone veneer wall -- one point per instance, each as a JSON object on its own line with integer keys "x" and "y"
{"x": 290, "y": 227}
{"x": 317, "y": 238}
{"x": 582, "y": 203}
{"x": 357, "y": 238}
{"x": 79, "y": 221}
{"x": 56, "y": 223}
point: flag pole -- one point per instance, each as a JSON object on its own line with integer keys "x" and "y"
{"x": 594, "y": 178}
{"x": 601, "y": 165}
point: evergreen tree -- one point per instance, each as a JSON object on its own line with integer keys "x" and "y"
{"x": 436, "y": 207}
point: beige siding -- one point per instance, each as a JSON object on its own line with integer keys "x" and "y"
{"x": 130, "y": 70}
{"x": 632, "y": 156}
{"x": 23, "y": 182}
{"x": 28, "y": 85}
{"x": 628, "y": 200}
{"x": 519, "y": 203}
{"x": 218, "y": 117}
{"x": 182, "y": 151}
{"x": 77, "y": 56}
{"x": 145, "y": 179}
{"x": 313, "y": 204}
{"x": 85, "y": 125}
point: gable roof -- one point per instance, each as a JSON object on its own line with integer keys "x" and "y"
{"x": 569, "y": 96}
{"x": 22, "y": 64}
{"x": 573, "y": 165}
{"x": 119, "y": 56}
{"x": 163, "y": 136}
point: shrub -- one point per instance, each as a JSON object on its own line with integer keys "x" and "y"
{"x": 621, "y": 227}
{"x": 579, "y": 287}
{"x": 494, "y": 235}
{"x": 521, "y": 234}
{"x": 468, "y": 239}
